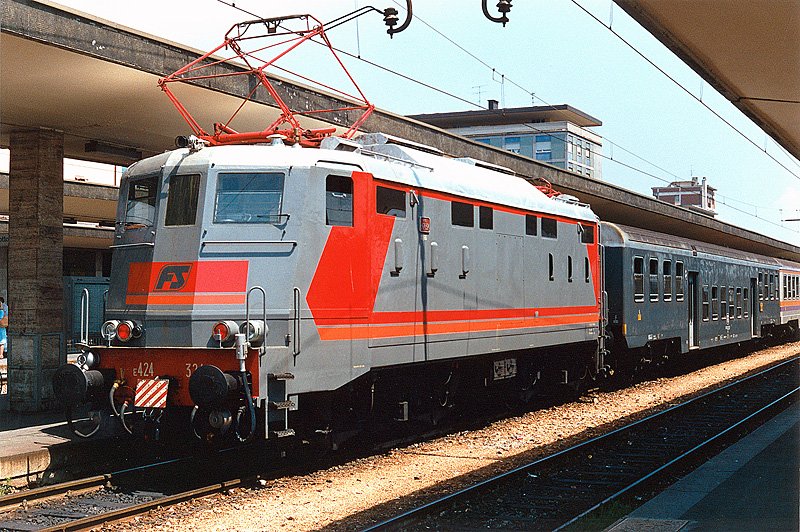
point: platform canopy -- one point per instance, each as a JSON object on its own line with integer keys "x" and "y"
{"x": 747, "y": 50}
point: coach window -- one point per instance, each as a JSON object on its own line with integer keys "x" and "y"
{"x": 738, "y": 302}
{"x": 768, "y": 289}
{"x": 485, "y": 217}
{"x": 339, "y": 200}
{"x": 140, "y": 209}
{"x": 785, "y": 285}
{"x": 182, "y": 202}
{"x": 390, "y": 201}
{"x": 705, "y": 302}
{"x": 731, "y": 303}
{"x": 462, "y": 214}
{"x": 745, "y": 306}
{"x": 586, "y": 270}
{"x": 777, "y": 290}
{"x": 569, "y": 269}
{"x": 549, "y": 228}
{"x": 678, "y": 281}
{"x": 638, "y": 279}
{"x": 760, "y": 286}
{"x": 653, "y": 279}
{"x": 667, "y": 266}
{"x": 587, "y": 234}
{"x": 723, "y": 301}
{"x": 714, "y": 302}
{"x": 531, "y": 222}
{"x": 249, "y": 197}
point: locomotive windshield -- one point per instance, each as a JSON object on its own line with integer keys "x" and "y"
{"x": 249, "y": 198}
{"x": 140, "y": 209}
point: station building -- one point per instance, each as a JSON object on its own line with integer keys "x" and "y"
{"x": 554, "y": 134}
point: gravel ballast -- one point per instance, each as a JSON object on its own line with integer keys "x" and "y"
{"x": 368, "y": 490}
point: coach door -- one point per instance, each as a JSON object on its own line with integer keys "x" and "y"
{"x": 694, "y": 318}
{"x": 754, "y": 317}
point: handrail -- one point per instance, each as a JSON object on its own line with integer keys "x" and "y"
{"x": 292, "y": 242}
{"x": 296, "y": 323}
{"x": 247, "y": 309}
{"x": 85, "y": 316}
{"x": 137, "y": 244}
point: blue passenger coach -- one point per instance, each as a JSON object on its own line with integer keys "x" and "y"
{"x": 668, "y": 295}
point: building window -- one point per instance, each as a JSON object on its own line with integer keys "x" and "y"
{"x": 462, "y": 214}
{"x": 705, "y": 302}
{"x": 531, "y": 222}
{"x": 714, "y": 302}
{"x": 511, "y": 144}
{"x": 182, "y": 202}
{"x": 544, "y": 155}
{"x": 485, "y": 217}
{"x": 390, "y": 201}
{"x": 678, "y": 281}
{"x": 339, "y": 200}
{"x": 667, "y": 271}
{"x": 654, "y": 280}
{"x": 549, "y": 228}
{"x": 638, "y": 279}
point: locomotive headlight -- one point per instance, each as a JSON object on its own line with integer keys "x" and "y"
{"x": 224, "y": 331}
{"x": 109, "y": 329}
{"x": 88, "y": 359}
{"x": 255, "y": 331}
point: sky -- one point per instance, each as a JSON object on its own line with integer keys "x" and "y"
{"x": 551, "y": 52}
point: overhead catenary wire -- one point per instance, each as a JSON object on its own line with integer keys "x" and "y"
{"x": 429, "y": 86}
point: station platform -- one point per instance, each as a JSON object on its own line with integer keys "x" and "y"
{"x": 752, "y": 485}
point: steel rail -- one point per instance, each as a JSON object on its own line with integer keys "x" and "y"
{"x": 121, "y": 514}
{"x": 46, "y": 492}
{"x": 680, "y": 458}
{"x": 443, "y": 502}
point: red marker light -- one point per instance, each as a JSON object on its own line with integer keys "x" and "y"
{"x": 220, "y": 331}
{"x": 124, "y": 331}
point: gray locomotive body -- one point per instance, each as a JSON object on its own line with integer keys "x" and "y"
{"x": 363, "y": 280}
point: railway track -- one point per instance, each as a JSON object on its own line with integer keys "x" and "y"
{"x": 90, "y": 502}
{"x": 565, "y": 489}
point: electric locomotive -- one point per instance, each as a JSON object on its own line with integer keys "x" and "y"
{"x": 275, "y": 290}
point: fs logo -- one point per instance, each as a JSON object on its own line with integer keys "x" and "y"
{"x": 173, "y": 277}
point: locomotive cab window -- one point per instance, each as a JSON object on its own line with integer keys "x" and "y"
{"x": 462, "y": 214}
{"x": 531, "y": 223}
{"x": 140, "y": 209}
{"x": 653, "y": 279}
{"x": 249, "y": 198}
{"x": 390, "y": 202}
{"x": 485, "y": 217}
{"x": 549, "y": 228}
{"x": 182, "y": 201}
{"x": 638, "y": 279}
{"x": 587, "y": 233}
{"x": 339, "y": 200}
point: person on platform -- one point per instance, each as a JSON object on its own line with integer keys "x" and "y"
{"x": 3, "y": 326}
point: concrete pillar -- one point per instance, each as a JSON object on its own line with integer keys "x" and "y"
{"x": 35, "y": 257}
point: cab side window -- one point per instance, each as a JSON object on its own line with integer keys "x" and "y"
{"x": 339, "y": 200}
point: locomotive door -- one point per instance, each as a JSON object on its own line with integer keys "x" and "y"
{"x": 754, "y": 317}
{"x": 694, "y": 318}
